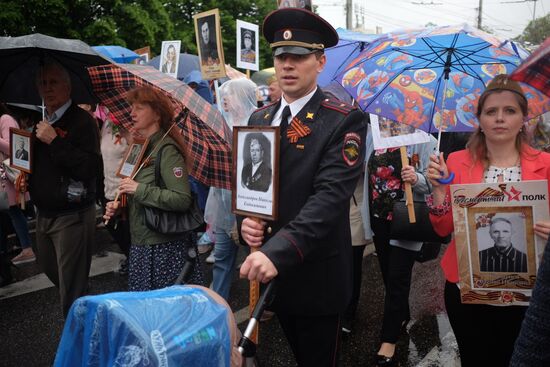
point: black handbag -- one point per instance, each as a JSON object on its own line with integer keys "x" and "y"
{"x": 169, "y": 222}
{"x": 421, "y": 231}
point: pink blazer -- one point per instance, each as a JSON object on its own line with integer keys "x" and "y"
{"x": 535, "y": 165}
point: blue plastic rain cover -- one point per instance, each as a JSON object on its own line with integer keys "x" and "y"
{"x": 175, "y": 326}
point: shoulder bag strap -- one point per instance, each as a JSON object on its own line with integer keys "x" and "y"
{"x": 158, "y": 158}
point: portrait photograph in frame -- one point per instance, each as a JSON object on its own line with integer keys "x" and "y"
{"x": 132, "y": 159}
{"x": 209, "y": 44}
{"x": 169, "y": 57}
{"x": 304, "y": 4}
{"x": 144, "y": 55}
{"x": 255, "y": 186}
{"x": 493, "y": 229}
{"x": 387, "y": 133}
{"x": 247, "y": 46}
{"x": 21, "y": 154}
{"x": 497, "y": 250}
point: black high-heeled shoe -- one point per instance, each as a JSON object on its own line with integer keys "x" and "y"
{"x": 385, "y": 361}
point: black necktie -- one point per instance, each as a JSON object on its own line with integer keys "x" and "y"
{"x": 284, "y": 120}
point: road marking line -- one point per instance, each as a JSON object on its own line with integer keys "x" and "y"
{"x": 100, "y": 265}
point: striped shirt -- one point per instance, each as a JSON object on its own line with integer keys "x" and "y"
{"x": 511, "y": 261}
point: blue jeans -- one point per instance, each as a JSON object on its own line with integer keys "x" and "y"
{"x": 20, "y": 225}
{"x": 225, "y": 254}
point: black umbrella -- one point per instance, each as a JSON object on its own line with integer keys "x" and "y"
{"x": 21, "y": 58}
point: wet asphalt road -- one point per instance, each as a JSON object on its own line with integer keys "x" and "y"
{"x": 31, "y": 323}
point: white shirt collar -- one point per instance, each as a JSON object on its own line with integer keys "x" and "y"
{"x": 295, "y": 107}
{"x": 59, "y": 112}
{"x": 255, "y": 167}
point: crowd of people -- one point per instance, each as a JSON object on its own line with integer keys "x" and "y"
{"x": 336, "y": 196}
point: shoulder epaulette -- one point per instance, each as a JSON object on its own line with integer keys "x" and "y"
{"x": 266, "y": 106}
{"x": 336, "y": 105}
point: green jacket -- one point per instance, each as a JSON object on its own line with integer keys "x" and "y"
{"x": 175, "y": 197}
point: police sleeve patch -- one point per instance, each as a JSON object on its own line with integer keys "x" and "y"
{"x": 351, "y": 148}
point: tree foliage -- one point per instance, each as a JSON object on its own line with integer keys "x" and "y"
{"x": 133, "y": 24}
{"x": 536, "y": 31}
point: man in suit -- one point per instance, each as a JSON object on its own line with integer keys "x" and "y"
{"x": 67, "y": 158}
{"x": 308, "y": 247}
{"x": 502, "y": 256}
{"x": 169, "y": 65}
{"x": 256, "y": 175}
{"x": 21, "y": 152}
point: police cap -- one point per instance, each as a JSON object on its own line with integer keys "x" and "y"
{"x": 298, "y": 31}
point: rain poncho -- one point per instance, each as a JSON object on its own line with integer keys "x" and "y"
{"x": 174, "y": 326}
{"x": 238, "y": 97}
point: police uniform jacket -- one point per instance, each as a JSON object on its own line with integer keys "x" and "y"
{"x": 310, "y": 242}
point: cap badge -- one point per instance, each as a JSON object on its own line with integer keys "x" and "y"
{"x": 287, "y": 34}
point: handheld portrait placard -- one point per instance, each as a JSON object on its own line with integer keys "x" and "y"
{"x": 169, "y": 57}
{"x": 21, "y": 150}
{"x": 304, "y": 4}
{"x": 132, "y": 158}
{"x": 144, "y": 55}
{"x": 247, "y": 46}
{"x": 387, "y": 133}
{"x": 255, "y": 186}
{"x": 209, "y": 44}
{"x": 497, "y": 250}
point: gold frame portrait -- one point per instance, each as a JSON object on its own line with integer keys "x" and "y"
{"x": 210, "y": 68}
{"x": 498, "y": 280}
{"x": 27, "y": 138}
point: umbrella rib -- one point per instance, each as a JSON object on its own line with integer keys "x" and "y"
{"x": 341, "y": 67}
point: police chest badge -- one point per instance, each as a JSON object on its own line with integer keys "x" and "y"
{"x": 178, "y": 172}
{"x": 351, "y": 148}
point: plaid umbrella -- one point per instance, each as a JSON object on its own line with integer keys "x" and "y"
{"x": 535, "y": 70}
{"x": 205, "y": 132}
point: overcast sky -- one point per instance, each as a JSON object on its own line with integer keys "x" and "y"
{"x": 506, "y": 19}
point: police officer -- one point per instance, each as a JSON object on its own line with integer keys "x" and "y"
{"x": 308, "y": 248}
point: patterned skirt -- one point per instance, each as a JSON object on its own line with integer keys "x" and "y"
{"x": 158, "y": 266}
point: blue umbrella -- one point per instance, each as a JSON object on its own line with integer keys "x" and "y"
{"x": 117, "y": 53}
{"x": 431, "y": 78}
{"x": 186, "y": 64}
{"x": 350, "y": 45}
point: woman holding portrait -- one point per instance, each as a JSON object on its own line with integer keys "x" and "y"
{"x": 14, "y": 212}
{"x": 384, "y": 186}
{"x": 496, "y": 152}
{"x": 156, "y": 259}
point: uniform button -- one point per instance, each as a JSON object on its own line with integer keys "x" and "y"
{"x": 269, "y": 230}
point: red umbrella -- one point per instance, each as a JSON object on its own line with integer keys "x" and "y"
{"x": 206, "y": 134}
{"x": 535, "y": 70}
